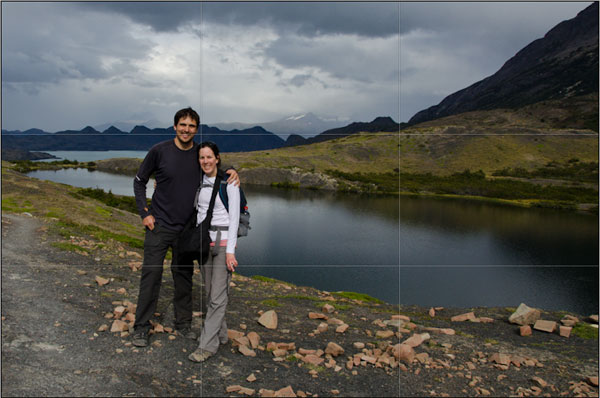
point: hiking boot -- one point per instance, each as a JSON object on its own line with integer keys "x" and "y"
{"x": 200, "y": 355}
{"x": 140, "y": 338}
{"x": 188, "y": 333}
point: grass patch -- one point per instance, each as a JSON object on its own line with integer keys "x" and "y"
{"x": 11, "y": 204}
{"x": 491, "y": 341}
{"x": 585, "y": 331}
{"x": 319, "y": 369}
{"x": 358, "y": 296}
{"x": 126, "y": 203}
{"x": 67, "y": 229}
{"x": 572, "y": 170}
{"x": 270, "y": 280}
{"x": 102, "y": 211}
{"x": 291, "y": 358}
{"x": 476, "y": 184}
{"x": 370, "y": 182}
{"x": 271, "y": 303}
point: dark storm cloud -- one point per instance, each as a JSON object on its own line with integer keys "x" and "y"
{"x": 63, "y": 44}
{"x": 307, "y": 19}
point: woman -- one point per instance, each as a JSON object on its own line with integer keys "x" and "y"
{"x": 221, "y": 261}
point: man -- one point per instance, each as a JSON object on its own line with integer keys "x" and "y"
{"x": 177, "y": 173}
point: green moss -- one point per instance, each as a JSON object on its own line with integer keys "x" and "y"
{"x": 291, "y": 358}
{"x": 585, "y": 331}
{"x": 102, "y": 211}
{"x": 271, "y": 303}
{"x": 491, "y": 341}
{"x": 286, "y": 185}
{"x": 270, "y": 280}
{"x": 358, "y": 296}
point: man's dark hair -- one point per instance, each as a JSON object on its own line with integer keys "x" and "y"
{"x": 186, "y": 112}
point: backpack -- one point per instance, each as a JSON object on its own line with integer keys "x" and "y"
{"x": 244, "y": 224}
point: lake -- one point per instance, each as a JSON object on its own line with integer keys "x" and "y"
{"x": 428, "y": 252}
{"x": 92, "y": 156}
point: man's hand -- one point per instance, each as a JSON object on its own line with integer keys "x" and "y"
{"x": 234, "y": 178}
{"x": 148, "y": 221}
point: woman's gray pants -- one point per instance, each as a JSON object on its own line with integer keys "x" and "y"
{"x": 216, "y": 283}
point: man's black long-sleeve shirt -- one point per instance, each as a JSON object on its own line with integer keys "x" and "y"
{"x": 178, "y": 174}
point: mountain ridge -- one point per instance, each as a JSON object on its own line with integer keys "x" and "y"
{"x": 562, "y": 64}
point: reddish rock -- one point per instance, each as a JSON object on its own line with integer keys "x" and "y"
{"x": 335, "y": 321}
{"x": 268, "y": 319}
{"x": 484, "y": 319}
{"x": 241, "y": 341}
{"x": 328, "y": 309}
{"x": 564, "y": 331}
{"x": 103, "y": 328}
{"x": 285, "y": 392}
{"x": 304, "y": 351}
{"x": 233, "y": 388}
{"x": 401, "y": 317}
{"x": 279, "y": 352}
{"x": 525, "y": 330}
{"x": 251, "y": 378}
{"x": 384, "y": 334}
{"x": 119, "y": 326}
{"x": 333, "y": 349}
{"x": 524, "y": 315}
{"x": 404, "y": 353}
{"x": 101, "y": 281}
{"x": 315, "y": 360}
{"x": 593, "y": 380}
{"x": 317, "y": 315}
{"x": 416, "y": 339}
{"x": 463, "y": 317}
{"x": 343, "y": 328}
{"x": 545, "y": 326}
{"x": 232, "y": 334}
{"x": 502, "y": 359}
{"x": 541, "y": 382}
{"x": 323, "y": 327}
{"x": 246, "y": 351}
{"x": 358, "y": 345}
{"x": 594, "y": 318}
{"x": 253, "y": 338}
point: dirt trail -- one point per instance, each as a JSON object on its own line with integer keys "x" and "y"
{"x": 52, "y": 308}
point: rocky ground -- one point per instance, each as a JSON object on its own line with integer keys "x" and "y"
{"x": 68, "y": 303}
{"x": 66, "y": 316}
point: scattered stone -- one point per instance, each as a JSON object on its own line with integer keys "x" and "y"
{"x": 333, "y": 349}
{"x": 243, "y": 326}
{"x": 285, "y": 392}
{"x": 268, "y": 319}
{"x": 463, "y": 317}
{"x": 328, "y": 309}
{"x": 384, "y": 334}
{"x": 343, "y": 328}
{"x": 101, "y": 281}
{"x": 416, "y": 339}
{"x": 233, "y": 388}
{"x": 593, "y": 380}
{"x": 103, "y": 328}
{"x": 246, "y": 351}
{"x": 564, "y": 331}
{"x": 335, "y": 392}
{"x": 485, "y": 319}
{"x": 502, "y": 359}
{"x": 525, "y": 315}
{"x": 323, "y": 327}
{"x": 359, "y": 345}
{"x": 197, "y": 313}
{"x": 253, "y": 338}
{"x": 313, "y": 359}
{"x": 233, "y": 334}
{"x": 593, "y": 318}
{"x": 317, "y": 315}
{"x": 251, "y": 378}
{"x": 119, "y": 326}
{"x": 525, "y": 330}
{"x": 119, "y": 311}
{"x": 280, "y": 352}
{"x": 545, "y": 326}
{"x": 335, "y": 321}
{"x": 541, "y": 382}
{"x": 172, "y": 337}
{"x": 431, "y": 312}
{"x": 404, "y": 353}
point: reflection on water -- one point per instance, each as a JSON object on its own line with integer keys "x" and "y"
{"x": 454, "y": 232}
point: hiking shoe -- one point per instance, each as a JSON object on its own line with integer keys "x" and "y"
{"x": 188, "y": 333}
{"x": 200, "y": 355}
{"x": 140, "y": 339}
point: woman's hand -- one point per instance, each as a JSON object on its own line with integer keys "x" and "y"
{"x": 231, "y": 262}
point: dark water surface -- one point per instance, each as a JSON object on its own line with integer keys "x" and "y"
{"x": 427, "y": 252}
{"x": 465, "y": 254}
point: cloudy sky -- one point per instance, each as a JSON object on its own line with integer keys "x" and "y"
{"x": 68, "y": 65}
